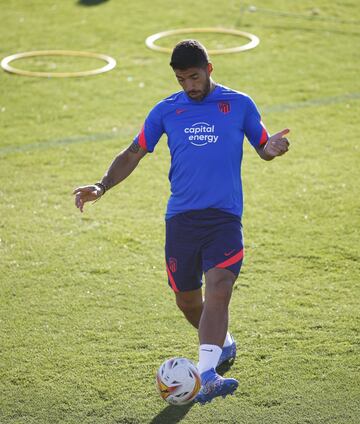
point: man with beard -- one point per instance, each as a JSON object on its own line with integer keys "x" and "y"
{"x": 205, "y": 124}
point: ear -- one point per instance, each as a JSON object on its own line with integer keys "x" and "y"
{"x": 210, "y": 68}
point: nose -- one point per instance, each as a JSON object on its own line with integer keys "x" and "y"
{"x": 189, "y": 85}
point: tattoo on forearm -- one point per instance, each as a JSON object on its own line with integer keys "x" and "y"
{"x": 134, "y": 148}
{"x": 108, "y": 182}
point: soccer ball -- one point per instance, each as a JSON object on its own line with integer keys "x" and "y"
{"x": 178, "y": 381}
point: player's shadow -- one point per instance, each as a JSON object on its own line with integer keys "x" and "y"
{"x": 91, "y": 2}
{"x": 172, "y": 414}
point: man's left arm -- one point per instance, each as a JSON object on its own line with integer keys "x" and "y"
{"x": 276, "y": 145}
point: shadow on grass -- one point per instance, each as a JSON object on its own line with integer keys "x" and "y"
{"x": 91, "y": 2}
{"x": 171, "y": 414}
{"x": 174, "y": 414}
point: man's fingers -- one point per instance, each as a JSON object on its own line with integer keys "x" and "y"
{"x": 84, "y": 189}
{"x": 281, "y": 134}
{"x": 85, "y": 194}
{"x": 279, "y": 143}
{"x": 277, "y": 150}
{"x": 78, "y": 190}
{"x": 284, "y": 132}
{"x": 277, "y": 147}
{"x": 283, "y": 143}
{"x": 78, "y": 201}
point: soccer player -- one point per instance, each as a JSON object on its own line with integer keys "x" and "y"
{"x": 205, "y": 124}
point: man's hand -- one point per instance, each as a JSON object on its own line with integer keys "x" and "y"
{"x": 121, "y": 167}
{"x": 85, "y": 194}
{"x": 277, "y": 144}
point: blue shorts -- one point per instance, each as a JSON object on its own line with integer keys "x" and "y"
{"x": 197, "y": 241}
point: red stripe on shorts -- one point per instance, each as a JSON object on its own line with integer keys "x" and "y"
{"x": 171, "y": 279}
{"x": 231, "y": 261}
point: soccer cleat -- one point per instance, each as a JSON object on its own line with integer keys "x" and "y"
{"x": 213, "y": 385}
{"x": 228, "y": 354}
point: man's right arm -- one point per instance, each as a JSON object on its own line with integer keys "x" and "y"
{"x": 121, "y": 167}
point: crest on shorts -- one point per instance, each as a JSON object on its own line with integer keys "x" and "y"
{"x": 224, "y": 107}
{"x": 173, "y": 264}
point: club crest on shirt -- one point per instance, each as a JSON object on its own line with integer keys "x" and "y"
{"x": 224, "y": 107}
{"x": 173, "y": 264}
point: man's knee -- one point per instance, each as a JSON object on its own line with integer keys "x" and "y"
{"x": 189, "y": 301}
{"x": 219, "y": 284}
{"x": 188, "y": 306}
{"x": 219, "y": 290}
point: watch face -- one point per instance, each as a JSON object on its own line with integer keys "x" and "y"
{"x": 101, "y": 187}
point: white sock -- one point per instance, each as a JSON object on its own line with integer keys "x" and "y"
{"x": 209, "y": 356}
{"x": 228, "y": 340}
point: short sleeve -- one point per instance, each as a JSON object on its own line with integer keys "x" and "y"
{"x": 255, "y": 130}
{"x": 151, "y": 131}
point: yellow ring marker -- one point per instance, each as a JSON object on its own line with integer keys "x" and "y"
{"x": 5, "y": 63}
{"x": 254, "y": 40}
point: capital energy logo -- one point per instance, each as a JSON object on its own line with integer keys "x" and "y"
{"x": 201, "y": 133}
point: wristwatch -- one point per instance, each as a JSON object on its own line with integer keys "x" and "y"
{"x": 101, "y": 187}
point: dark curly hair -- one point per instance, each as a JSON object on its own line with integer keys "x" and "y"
{"x": 189, "y": 54}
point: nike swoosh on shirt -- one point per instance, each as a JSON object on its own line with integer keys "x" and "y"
{"x": 229, "y": 253}
{"x": 179, "y": 111}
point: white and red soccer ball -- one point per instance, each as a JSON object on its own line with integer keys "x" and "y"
{"x": 178, "y": 381}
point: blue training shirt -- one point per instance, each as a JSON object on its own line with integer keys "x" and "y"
{"x": 205, "y": 139}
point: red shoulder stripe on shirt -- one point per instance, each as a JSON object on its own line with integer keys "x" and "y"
{"x": 264, "y": 135}
{"x": 142, "y": 139}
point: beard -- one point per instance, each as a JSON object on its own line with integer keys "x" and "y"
{"x": 201, "y": 94}
{"x": 206, "y": 90}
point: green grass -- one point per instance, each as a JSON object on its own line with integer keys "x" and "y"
{"x": 86, "y": 316}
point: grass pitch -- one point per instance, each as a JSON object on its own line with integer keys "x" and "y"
{"x": 86, "y": 316}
